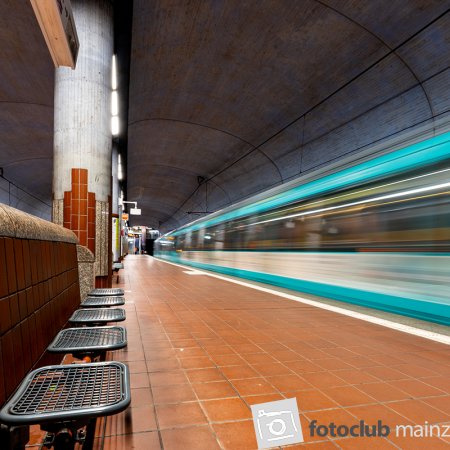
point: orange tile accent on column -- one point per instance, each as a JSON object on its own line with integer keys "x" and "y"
{"x": 79, "y": 209}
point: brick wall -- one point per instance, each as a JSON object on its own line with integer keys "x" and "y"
{"x": 39, "y": 290}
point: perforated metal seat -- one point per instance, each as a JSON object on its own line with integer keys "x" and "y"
{"x": 98, "y": 339}
{"x": 54, "y": 394}
{"x": 106, "y": 292}
{"x": 99, "y": 302}
{"x": 97, "y": 315}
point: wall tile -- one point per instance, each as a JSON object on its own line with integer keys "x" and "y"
{"x": 83, "y": 191}
{"x": 26, "y": 344}
{"x": 45, "y": 259}
{"x": 2, "y": 377}
{"x": 11, "y": 265}
{"x": 8, "y": 363}
{"x": 83, "y": 223}
{"x": 91, "y": 215}
{"x": 5, "y": 315}
{"x": 26, "y": 262}
{"x": 83, "y": 207}
{"x": 19, "y": 368}
{"x": 39, "y": 265}
{"x": 33, "y": 337}
{"x": 83, "y": 238}
{"x": 91, "y": 230}
{"x": 41, "y": 290}
{"x": 67, "y": 213}
{"x": 33, "y": 258}
{"x": 41, "y": 294}
{"x": 91, "y": 200}
{"x": 91, "y": 245}
{"x": 74, "y": 222}
{"x": 76, "y": 176}
{"x": 3, "y": 272}
{"x": 75, "y": 192}
{"x": 30, "y": 301}
{"x": 14, "y": 309}
{"x": 67, "y": 198}
{"x": 18, "y": 254}
{"x": 83, "y": 176}
{"x": 22, "y": 298}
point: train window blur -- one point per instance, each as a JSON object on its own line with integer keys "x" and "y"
{"x": 399, "y": 214}
{"x": 382, "y": 243}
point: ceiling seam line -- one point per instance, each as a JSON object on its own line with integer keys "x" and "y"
{"x": 253, "y": 147}
{"x": 26, "y": 192}
{"x": 372, "y": 108}
{"x": 388, "y": 46}
{"x": 334, "y": 93}
{"x": 149, "y": 119}
{"x": 223, "y": 189}
{"x": 315, "y": 167}
{"x": 362, "y": 158}
{"x": 26, "y": 103}
{"x": 13, "y": 163}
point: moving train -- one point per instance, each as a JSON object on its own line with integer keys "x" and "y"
{"x": 376, "y": 234}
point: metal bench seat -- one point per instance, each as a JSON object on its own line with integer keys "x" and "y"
{"x": 84, "y": 340}
{"x": 73, "y": 392}
{"x": 106, "y": 292}
{"x": 99, "y": 302}
{"x": 97, "y": 316}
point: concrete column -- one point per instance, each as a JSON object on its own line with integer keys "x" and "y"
{"x": 82, "y": 136}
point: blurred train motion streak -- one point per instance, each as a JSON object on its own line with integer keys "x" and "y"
{"x": 376, "y": 234}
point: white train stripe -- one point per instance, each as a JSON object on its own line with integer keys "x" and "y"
{"x": 443, "y": 339}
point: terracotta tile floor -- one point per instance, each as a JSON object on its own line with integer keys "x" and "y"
{"x": 202, "y": 350}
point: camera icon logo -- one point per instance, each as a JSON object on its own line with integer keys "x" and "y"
{"x": 277, "y": 423}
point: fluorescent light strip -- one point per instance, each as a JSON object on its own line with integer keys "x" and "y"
{"x": 114, "y": 73}
{"x": 443, "y": 339}
{"x": 114, "y": 125}
{"x": 114, "y": 103}
{"x": 360, "y": 202}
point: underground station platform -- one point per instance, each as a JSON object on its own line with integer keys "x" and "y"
{"x": 202, "y": 350}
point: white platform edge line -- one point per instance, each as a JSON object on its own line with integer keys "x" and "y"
{"x": 441, "y": 338}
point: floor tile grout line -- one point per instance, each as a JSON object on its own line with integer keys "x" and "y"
{"x": 150, "y": 388}
{"x": 372, "y": 319}
{"x": 201, "y": 339}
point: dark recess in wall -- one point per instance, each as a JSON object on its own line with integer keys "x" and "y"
{"x": 123, "y": 19}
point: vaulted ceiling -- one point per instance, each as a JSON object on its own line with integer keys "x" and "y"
{"x": 26, "y": 109}
{"x": 248, "y": 95}
{"x": 227, "y": 99}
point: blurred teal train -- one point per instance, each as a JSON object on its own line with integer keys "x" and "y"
{"x": 376, "y": 234}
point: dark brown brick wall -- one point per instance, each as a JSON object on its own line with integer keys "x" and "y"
{"x": 39, "y": 290}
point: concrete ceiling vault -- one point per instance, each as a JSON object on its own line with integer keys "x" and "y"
{"x": 251, "y": 94}
{"x": 229, "y": 98}
{"x": 26, "y": 109}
